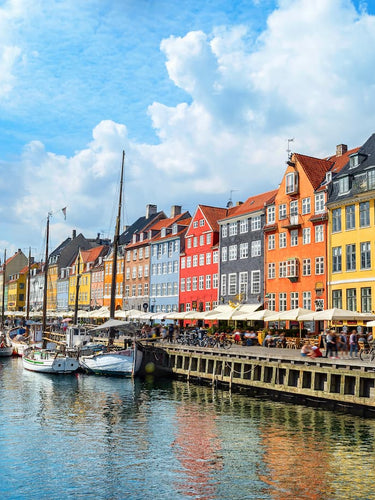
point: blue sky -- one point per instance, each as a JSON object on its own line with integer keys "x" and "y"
{"x": 202, "y": 95}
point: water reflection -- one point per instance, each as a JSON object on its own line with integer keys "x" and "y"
{"x": 97, "y": 437}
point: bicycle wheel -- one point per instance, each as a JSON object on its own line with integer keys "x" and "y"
{"x": 365, "y": 354}
{"x": 226, "y": 344}
{"x": 372, "y": 355}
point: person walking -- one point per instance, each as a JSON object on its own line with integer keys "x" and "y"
{"x": 353, "y": 344}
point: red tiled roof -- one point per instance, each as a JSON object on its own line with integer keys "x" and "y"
{"x": 166, "y": 222}
{"x": 341, "y": 161}
{"x": 314, "y": 168}
{"x": 92, "y": 254}
{"x": 213, "y": 214}
{"x": 252, "y": 204}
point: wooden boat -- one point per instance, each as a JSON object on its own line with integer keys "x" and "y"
{"x": 125, "y": 362}
{"x": 48, "y": 361}
{"x": 5, "y": 348}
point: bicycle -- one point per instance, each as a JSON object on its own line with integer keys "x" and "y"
{"x": 220, "y": 342}
{"x": 367, "y": 352}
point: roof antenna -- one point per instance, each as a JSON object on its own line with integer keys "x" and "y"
{"x": 289, "y": 151}
{"x": 230, "y": 202}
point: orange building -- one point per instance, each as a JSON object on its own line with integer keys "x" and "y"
{"x": 296, "y": 234}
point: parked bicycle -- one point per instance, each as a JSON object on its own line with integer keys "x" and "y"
{"x": 367, "y": 352}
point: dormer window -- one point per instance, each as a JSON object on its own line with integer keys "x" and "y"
{"x": 174, "y": 229}
{"x": 134, "y": 238}
{"x": 163, "y": 232}
{"x": 291, "y": 183}
{"x": 149, "y": 234}
{"x": 141, "y": 236}
{"x": 354, "y": 161}
{"x": 328, "y": 177}
{"x": 344, "y": 184}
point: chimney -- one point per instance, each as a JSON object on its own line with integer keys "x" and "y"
{"x": 151, "y": 210}
{"x": 238, "y": 203}
{"x": 74, "y": 234}
{"x": 341, "y": 149}
{"x": 125, "y": 228}
{"x": 175, "y": 210}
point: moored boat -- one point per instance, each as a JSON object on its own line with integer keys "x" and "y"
{"x": 121, "y": 363}
{"x": 48, "y": 361}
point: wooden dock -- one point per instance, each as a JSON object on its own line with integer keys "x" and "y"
{"x": 348, "y": 384}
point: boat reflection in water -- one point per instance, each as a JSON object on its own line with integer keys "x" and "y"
{"x": 123, "y": 438}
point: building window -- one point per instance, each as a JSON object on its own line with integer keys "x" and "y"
{"x": 244, "y": 250}
{"x": 364, "y": 214}
{"x": 293, "y": 208}
{"x": 215, "y": 257}
{"x": 182, "y": 284}
{"x": 306, "y": 300}
{"x": 291, "y": 182}
{"x": 201, "y": 240}
{"x": 256, "y": 249}
{"x": 282, "y": 301}
{"x": 201, "y": 222}
{"x": 201, "y": 282}
{"x": 294, "y": 238}
{"x": 306, "y": 206}
{"x": 294, "y": 300}
{"x": 351, "y": 299}
{"x": 201, "y": 259}
{"x": 271, "y": 214}
{"x": 208, "y": 239}
{"x": 271, "y": 270}
{"x": 282, "y": 211}
{"x": 337, "y": 299}
{"x": 243, "y": 282}
{"x": 195, "y": 224}
{"x": 319, "y": 233}
{"x": 344, "y": 185}
{"x": 233, "y": 252}
{"x": 282, "y": 269}
{"x": 271, "y": 242}
{"x": 224, "y": 254}
{"x": 215, "y": 280}
{"x": 233, "y": 229}
{"x": 319, "y": 203}
{"x": 319, "y": 265}
{"x": 336, "y": 260}
{"x": 350, "y": 217}
{"x": 188, "y": 284}
{"x": 188, "y": 242}
{"x": 282, "y": 240}
{"x": 223, "y": 284}
{"x": 306, "y": 236}
{"x": 244, "y": 226}
{"x": 208, "y": 258}
{"x": 232, "y": 284}
{"x": 350, "y": 257}
{"x": 336, "y": 220}
{"x": 255, "y": 223}
{"x": 271, "y": 301}
{"x": 255, "y": 282}
{"x": 365, "y": 255}
{"x": 371, "y": 179}
{"x": 366, "y": 300}
{"x": 195, "y": 241}
{"x": 188, "y": 262}
{"x": 195, "y": 260}
{"x": 208, "y": 281}
{"x": 306, "y": 267}
{"x": 195, "y": 283}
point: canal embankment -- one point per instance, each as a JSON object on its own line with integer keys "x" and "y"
{"x": 345, "y": 384}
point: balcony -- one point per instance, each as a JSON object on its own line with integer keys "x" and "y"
{"x": 292, "y": 222}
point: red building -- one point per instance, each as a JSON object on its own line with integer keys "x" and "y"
{"x": 199, "y": 263}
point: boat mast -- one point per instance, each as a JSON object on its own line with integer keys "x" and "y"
{"x": 28, "y": 287}
{"x": 44, "y": 318}
{"x": 77, "y": 287}
{"x": 3, "y": 297}
{"x": 115, "y": 247}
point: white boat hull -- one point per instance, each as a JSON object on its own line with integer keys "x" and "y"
{"x": 44, "y": 361}
{"x": 124, "y": 363}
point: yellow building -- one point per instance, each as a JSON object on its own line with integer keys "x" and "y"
{"x": 17, "y": 290}
{"x": 351, "y": 249}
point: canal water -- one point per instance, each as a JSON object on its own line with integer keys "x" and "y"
{"x": 82, "y": 437}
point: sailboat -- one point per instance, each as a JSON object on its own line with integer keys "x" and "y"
{"x": 124, "y": 362}
{"x": 47, "y": 360}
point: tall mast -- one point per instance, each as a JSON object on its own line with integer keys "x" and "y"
{"x": 45, "y": 279}
{"x": 77, "y": 286}
{"x": 28, "y": 287}
{"x": 116, "y": 244}
{"x": 3, "y": 298}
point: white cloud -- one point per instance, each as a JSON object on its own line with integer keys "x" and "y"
{"x": 308, "y": 75}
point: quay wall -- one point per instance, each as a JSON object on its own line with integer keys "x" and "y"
{"x": 328, "y": 383}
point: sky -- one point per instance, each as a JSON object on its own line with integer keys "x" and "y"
{"x": 202, "y": 96}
